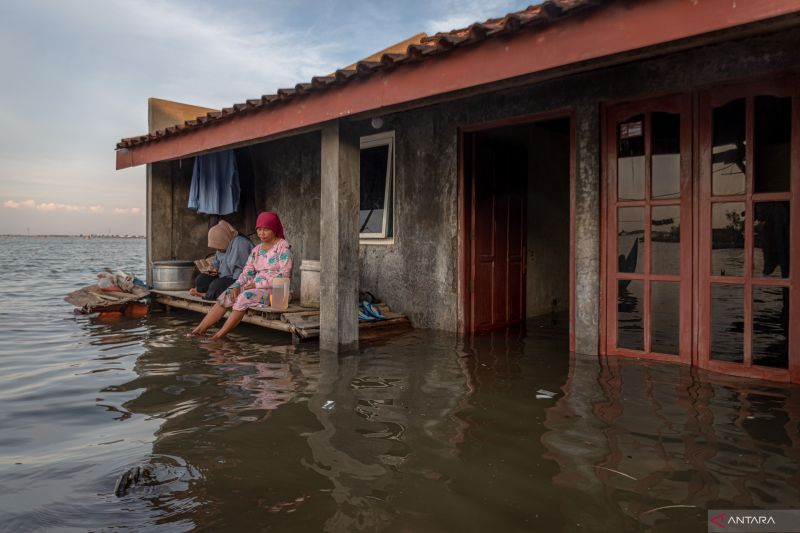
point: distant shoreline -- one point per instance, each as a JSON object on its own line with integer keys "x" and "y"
{"x": 88, "y": 237}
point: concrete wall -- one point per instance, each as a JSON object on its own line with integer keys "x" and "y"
{"x": 288, "y": 182}
{"x": 176, "y": 231}
{"x": 548, "y": 219}
{"x": 418, "y": 272}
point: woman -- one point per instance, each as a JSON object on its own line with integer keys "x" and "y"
{"x": 228, "y": 263}
{"x": 267, "y": 261}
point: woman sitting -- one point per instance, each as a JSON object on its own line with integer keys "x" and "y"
{"x": 267, "y": 261}
{"x": 228, "y": 263}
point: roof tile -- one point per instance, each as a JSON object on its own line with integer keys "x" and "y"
{"x": 439, "y": 43}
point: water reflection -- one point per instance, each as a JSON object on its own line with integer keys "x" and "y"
{"x": 659, "y": 444}
{"x": 727, "y": 238}
{"x": 771, "y": 239}
{"x": 429, "y": 432}
{"x": 630, "y": 321}
{"x": 727, "y": 322}
{"x": 426, "y": 432}
{"x": 729, "y": 148}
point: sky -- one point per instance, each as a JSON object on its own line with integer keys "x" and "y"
{"x": 77, "y": 76}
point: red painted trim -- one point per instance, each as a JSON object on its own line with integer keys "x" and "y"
{"x": 779, "y": 86}
{"x": 619, "y": 27}
{"x": 465, "y": 258}
{"x": 680, "y": 103}
{"x": 794, "y": 235}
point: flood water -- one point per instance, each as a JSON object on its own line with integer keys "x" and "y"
{"x": 426, "y": 432}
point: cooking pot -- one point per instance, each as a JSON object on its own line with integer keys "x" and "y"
{"x": 173, "y": 275}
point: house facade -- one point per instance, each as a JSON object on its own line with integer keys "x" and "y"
{"x": 630, "y": 165}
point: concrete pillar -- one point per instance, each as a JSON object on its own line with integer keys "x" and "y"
{"x": 339, "y": 203}
{"x": 587, "y": 229}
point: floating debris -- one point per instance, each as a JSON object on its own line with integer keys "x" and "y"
{"x": 162, "y": 473}
{"x": 670, "y": 507}
{"x": 617, "y": 472}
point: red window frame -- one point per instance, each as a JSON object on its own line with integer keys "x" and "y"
{"x": 680, "y": 104}
{"x": 786, "y": 86}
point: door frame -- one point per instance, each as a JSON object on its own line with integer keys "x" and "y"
{"x": 464, "y": 325}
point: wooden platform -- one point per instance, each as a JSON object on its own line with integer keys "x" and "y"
{"x": 301, "y": 322}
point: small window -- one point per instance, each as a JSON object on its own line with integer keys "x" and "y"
{"x": 377, "y": 181}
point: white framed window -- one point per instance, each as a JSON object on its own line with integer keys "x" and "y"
{"x": 377, "y": 186}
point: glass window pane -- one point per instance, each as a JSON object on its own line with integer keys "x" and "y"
{"x": 728, "y": 151}
{"x": 771, "y": 239}
{"x": 727, "y": 322}
{"x": 666, "y": 158}
{"x": 665, "y": 312}
{"x": 727, "y": 239}
{"x": 630, "y": 231}
{"x": 630, "y": 324}
{"x": 374, "y": 177}
{"x": 665, "y": 238}
{"x": 773, "y": 133}
{"x": 630, "y": 159}
{"x": 771, "y": 326}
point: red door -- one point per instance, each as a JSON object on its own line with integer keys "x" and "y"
{"x": 497, "y": 233}
{"x": 749, "y": 236}
{"x": 649, "y": 229}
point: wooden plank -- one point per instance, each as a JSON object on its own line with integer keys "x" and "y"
{"x": 382, "y": 323}
{"x": 205, "y": 306}
{"x": 302, "y": 323}
{"x": 287, "y": 317}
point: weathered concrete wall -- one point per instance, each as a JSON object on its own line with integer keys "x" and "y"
{"x": 417, "y": 273}
{"x": 176, "y": 231}
{"x": 586, "y": 218}
{"x": 287, "y": 176}
{"x": 548, "y": 218}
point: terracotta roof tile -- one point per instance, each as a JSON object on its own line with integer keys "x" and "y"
{"x": 440, "y": 43}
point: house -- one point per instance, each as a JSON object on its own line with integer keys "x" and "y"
{"x": 632, "y": 164}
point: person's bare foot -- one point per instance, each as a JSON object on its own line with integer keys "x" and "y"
{"x": 196, "y": 333}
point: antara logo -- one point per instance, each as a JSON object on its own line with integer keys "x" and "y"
{"x": 718, "y": 520}
{"x": 741, "y": 520}
{"x": 749, "y": 520}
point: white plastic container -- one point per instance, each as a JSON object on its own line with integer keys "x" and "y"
{"x": 309, "y": 283}
{"x": 280, "y": 293}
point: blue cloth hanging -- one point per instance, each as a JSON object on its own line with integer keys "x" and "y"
{"x": 215, "y": 184}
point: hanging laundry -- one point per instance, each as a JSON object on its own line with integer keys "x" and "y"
{"x": 215, "y": 184}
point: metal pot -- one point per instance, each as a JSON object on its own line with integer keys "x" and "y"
{"x": 173, "y": 275}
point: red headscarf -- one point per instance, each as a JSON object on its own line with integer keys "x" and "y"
{"x": 270, "y": 220}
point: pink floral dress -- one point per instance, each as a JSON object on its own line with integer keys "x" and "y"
{"x": 261, "y": 268}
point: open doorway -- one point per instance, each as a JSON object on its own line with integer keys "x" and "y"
{"x": 516, "y": 224}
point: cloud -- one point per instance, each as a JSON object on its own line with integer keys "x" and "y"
{"x": 14, "y": 205}
{"x": 127, "y": 210}
{"x": 455, "y": 15}
{"x": 70, "y": 208}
